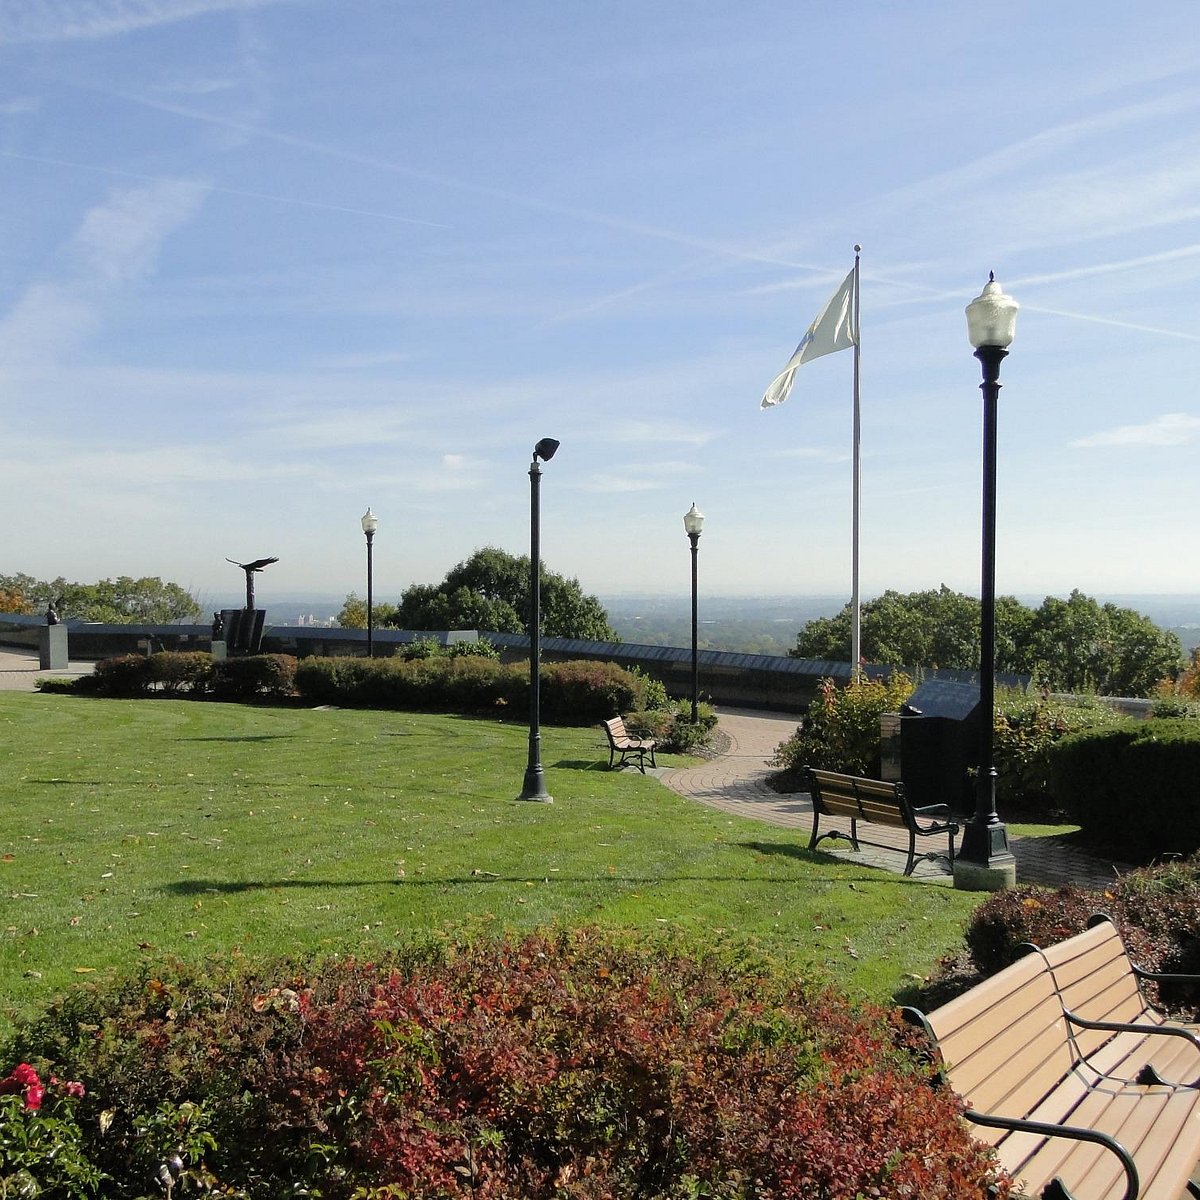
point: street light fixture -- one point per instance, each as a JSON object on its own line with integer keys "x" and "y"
{"x": 370, "y": 523}
{"x": 535, "y": 778}
{"x": 693, "y": 523}
{"x": 984, "y": 861}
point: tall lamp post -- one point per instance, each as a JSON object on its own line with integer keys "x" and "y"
{"x": 535, "y": 777}
{"x": 693, "y": 523}
{"x": 984, "y": 861}
{"x": 370, "y": 523}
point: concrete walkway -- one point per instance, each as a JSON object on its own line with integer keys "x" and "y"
{"x": 20, "y": 670}
{"x": 736, "y": 783}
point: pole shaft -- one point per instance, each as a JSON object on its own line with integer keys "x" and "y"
{"x": 985, "y": 838}
{"x": 695, "y": 540}
{"x": 535, "y": 777}
{"x": 370, "y": 598}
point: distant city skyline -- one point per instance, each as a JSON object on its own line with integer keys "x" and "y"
{"x": 270, "y": 262}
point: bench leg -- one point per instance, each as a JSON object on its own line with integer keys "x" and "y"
{"x": 912, "y": 853}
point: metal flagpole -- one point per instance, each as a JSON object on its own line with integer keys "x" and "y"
{"x": 855, "y": 598}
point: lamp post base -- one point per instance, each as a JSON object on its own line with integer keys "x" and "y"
{"x": 984, "y": 862}
{"x": 535, "y": 787}
{"x": 996, "y": 876}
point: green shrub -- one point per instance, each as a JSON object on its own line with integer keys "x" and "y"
{"x": 179, "y": 672}
{"x": 1133, "y": 785}
{"x": 572, "y": 692}
{"x": 840, "y": 731}
{"x": 549, "y": 1068}
{"x": 1026, "y": 727}
{"x": 671, "y": 726}
{"x": 584, "y": 691}
{"x": 61, "y": 686}
{"x": 124, "y": 675}
{"x": 257, "y": 676}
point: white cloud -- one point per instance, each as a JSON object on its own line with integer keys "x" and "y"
{"x": 1171, "y": 429}
{"x": 23, "y": 21}
{"x": 116, "y": 244}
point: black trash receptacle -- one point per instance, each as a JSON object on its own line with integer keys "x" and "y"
{"x": 939, "y": 742}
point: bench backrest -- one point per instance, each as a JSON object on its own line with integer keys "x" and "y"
{"x": 866, "y": 799}
{"x": 616, "y": 729}
{"x": 1096, "y": 981}
{"x": 1004, "y": 1044}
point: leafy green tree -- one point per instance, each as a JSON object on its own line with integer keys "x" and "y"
{"x": 1079, "y": 645}
{"x": 353, "y": 614}
{"x": 1072, "y": 645}
{"x": 935, "y": 628}
{"x": 490, "y": 590}
{"x": 122, "y": 601}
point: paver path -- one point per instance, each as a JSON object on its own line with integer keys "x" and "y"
{"x": 736, "y": 782}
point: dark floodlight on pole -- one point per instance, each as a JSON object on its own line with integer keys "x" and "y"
{"x": 370, "y": 523}
{"x": 693, "y": 523}
{"x": 984, "y": 861}
{"x": 535, "y": 778}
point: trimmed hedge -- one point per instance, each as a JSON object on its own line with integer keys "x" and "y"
{"x": 549, "y": 1068}
{"x": 1134, "y": 785}
{"x": 578, "y": 692}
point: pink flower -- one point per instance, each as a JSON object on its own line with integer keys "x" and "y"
{"x": 23, "y": 1078}
{"x": 25, "y": 1075}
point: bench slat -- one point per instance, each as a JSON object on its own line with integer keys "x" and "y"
{"x": 1009, "y": 1049}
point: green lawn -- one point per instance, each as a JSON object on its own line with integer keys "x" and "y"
{"x": 151, "y": 829}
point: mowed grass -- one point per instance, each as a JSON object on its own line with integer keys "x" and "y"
{"x": 145, "y": 830}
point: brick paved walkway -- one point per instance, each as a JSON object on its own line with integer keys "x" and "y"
{"x": 736, "y": 782}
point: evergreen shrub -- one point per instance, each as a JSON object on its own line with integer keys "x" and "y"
{"x": 571, "y": 692}
{"x": 178, "y": 672}
{"x": 1133, "y": 786}
{"x": 265, "y": 676}
{"x": 561, "y": 1067}
{"x": 124, "y": 675}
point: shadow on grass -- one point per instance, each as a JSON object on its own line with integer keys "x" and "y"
{"x": 579, "y": 764}
{"x": 201, "y": 887}
{"x": 248, "y": 737}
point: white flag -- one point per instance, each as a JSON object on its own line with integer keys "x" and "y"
{"x": 834, "y": 329}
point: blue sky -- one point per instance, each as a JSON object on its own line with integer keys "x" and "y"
{"x": 266, "y": 264}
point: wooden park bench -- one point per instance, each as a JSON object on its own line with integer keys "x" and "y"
{"x": 1062, "y": 1127}
{"x": 1114, "y": 1028}
{"x": 873, "y": 801}
{"x": 629, "y": 748}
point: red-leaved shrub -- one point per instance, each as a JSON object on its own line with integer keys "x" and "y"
{"x": 550, "y": 1068}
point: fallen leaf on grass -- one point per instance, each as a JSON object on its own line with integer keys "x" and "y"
{"x": 84, "y": 970}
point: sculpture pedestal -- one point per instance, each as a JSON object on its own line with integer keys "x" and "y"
{"x": 52, "y": 647}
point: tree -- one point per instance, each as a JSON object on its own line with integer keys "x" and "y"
{"x": 490, "y": 590}
{"x": 935, "y": 628}
{"x": 354, "y": 613}
{"x": 1072, "y": 645}
{"x": 123, "y": 601}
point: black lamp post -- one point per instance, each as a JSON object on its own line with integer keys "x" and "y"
{"x": 370, "y": 523}
{"x": 693, "y": 523}
{"x": 984, "y": 861}
{"x": 535, "y": 778}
